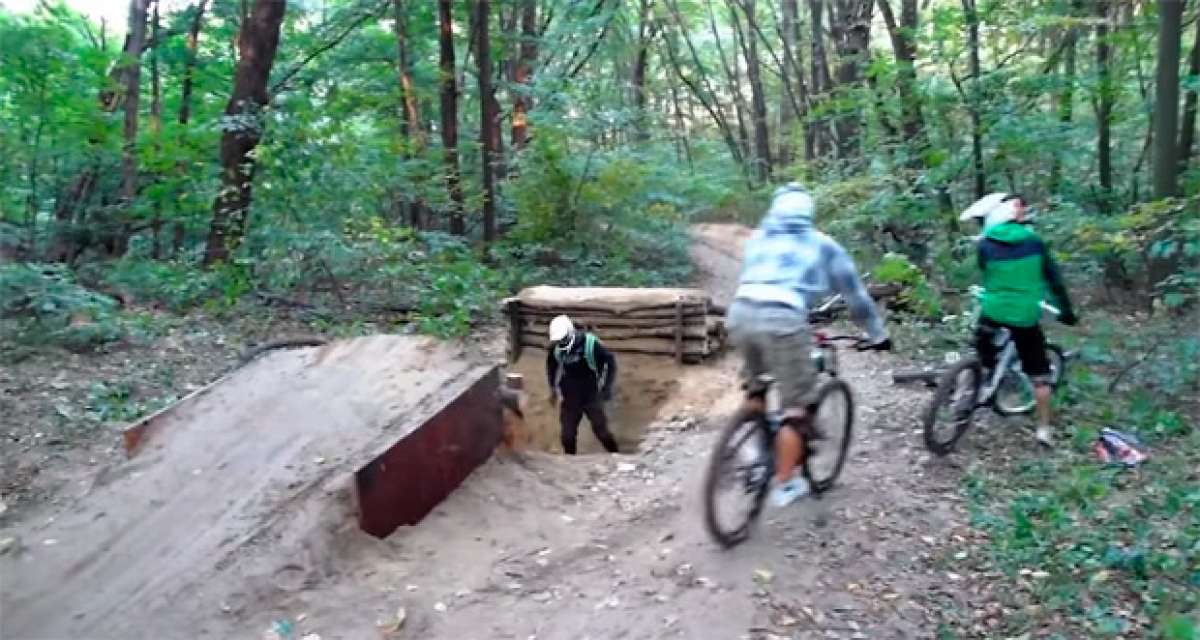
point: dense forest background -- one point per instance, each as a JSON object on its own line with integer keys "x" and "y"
{"x": 415, "y": 158}
{"x": 217, "y": 172}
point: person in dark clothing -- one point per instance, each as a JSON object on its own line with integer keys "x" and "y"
{"x": 580, "y": 373}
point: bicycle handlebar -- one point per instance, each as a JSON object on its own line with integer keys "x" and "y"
{"x": 977, "y": 291}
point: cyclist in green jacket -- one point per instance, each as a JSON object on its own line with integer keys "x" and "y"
{"x": 1018, "y": 274}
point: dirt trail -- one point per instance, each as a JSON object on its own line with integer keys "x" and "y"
{"x": 540, "y": 546}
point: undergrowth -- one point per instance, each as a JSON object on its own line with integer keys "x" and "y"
{"x": 1073, "y": 548}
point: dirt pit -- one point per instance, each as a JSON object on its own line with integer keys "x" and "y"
{"x": 644, "y": 385}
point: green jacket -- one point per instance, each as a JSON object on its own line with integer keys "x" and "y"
{"x": 1018, "y": 272}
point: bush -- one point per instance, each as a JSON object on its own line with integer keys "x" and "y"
{"x": 46, "y": 306}
{"x": 178, "y": 285}
{"x": 916, "y": 296}
{"x": 1153, "y": 248}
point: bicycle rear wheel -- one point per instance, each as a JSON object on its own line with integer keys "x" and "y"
{"x": 950, "y": 411}
{"x": 833, "y": 418}
{"x": 1015, "y": 396}
{"x": 740, "y": 465}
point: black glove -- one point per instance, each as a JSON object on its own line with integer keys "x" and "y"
{"x": 606, "y": 395}
{"x": 1069, "y": 318}
{"x": 884, "y": 345}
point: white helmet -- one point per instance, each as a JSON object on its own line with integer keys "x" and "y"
{"x": 561, "y": 328}
{"x": 993, "y": 209}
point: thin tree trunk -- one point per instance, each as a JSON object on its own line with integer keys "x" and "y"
{"x": 1066, "y": 101}
{"x": 526, "y": 56}
{"x": 820, "y": 78}
{"x": 156, "y": 127}
{"x": 703, "y": 92}
{"x": 258, "y": 40}
{"x": 1104, "y": 107}
{"x": 189, "y": 63}
{"x": 487, "y": 117}
{"x": 450, "y": 116}
{"x": 758, "y": 100}
{"x": 410, "y": 114}
{"x": 733, "y": 76}
{"x": 506, "y": 23}
{"x": 682, "y": 133}
{"x": 904, "y": 48}
{"x": 789, "y": 37}
{"x": 133, "y": 86}
{"x": 1166, "y": 101}
{"x": 852, "y": 38}
{"x": 972, "y": 20}
{"x": 192, "y": 46}
{"x": 646, "y": 34}
{"x": 1187, "y": 132}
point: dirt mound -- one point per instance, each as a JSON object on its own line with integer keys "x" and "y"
{"x": 263, "y": 459}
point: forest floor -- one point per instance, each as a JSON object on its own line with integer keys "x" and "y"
{"x": 536, "y": 545}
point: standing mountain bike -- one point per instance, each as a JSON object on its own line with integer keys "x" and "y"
{"x": 968, "y": 386}
{"x": 742, "y": 461}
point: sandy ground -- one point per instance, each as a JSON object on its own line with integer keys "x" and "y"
{"x": 536, "y": 545}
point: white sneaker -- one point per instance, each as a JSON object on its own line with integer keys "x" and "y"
{"x": 1043, "y": 437}
{"x": 788, "y": 492}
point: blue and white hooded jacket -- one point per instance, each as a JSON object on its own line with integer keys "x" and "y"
{"x": 787, "y": 261}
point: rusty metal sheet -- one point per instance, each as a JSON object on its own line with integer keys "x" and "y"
{"x": 412, "y": 476}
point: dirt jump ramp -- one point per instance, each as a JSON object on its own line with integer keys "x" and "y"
{"x": 379, "y": 428}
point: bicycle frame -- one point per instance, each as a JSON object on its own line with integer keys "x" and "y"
{"x": 1004, "y": 361}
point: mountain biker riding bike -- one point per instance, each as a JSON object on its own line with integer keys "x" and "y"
{"x": 1018, "y": 272}
{"x": 788, "y": 267}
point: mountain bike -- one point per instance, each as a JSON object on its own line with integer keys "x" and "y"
{"x": 967, "y": 386}
{"x": 743, "y": 459}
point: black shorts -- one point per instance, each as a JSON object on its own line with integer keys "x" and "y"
{"x": 1030, "y": 342}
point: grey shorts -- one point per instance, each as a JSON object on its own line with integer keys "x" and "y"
{"x": 775, "y": 339}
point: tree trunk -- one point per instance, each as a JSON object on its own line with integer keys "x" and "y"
{"x": 1166, "y": 101}
{"x": 1104, "y": 106}
{"x": 258, "y": 40}
{"x": 521, "y": 77}
{"x": 733, "y": 74}
{"x": 410, "y": 114}
{"x": 852, "y": 39}
{"x": 904, "y": 48}
{"x": 794, "y": 73}
{"x": 1187, "y": 132}
{"x": 192, "y": 45}
{"x": 487, "y": 117}
{"x": 156, "y": 128}
{"x": 972, "y": 20}
{"x": 682, "y": 133}
{"x": 133, "y": 87}
{"x": 641, "y": 61}
{"x": 449, "y": 99}
{"x": 1066, "y": 100}
{"x": 758, "y": 100}
{"x": 189, "y": 63}
{"x": 702, "y": 92}
{"x": 819, "y": 75}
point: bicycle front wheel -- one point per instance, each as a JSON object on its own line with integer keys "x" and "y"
{"x": 953, "y": 405}
{"x": 738, "y": 472}
{"x": 833, "y": 420}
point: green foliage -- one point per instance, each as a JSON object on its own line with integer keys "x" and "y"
{"x": 115, "y": 402}
{"x": 1154, "y": 246}
{"x": 1102, "y": 550}
{"x": 917, "y": 296}
{"x": 175, "y": 284}
{"x": 45, "y": 305}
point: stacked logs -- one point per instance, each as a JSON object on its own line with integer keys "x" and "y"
{"x": 682, "y": 323}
